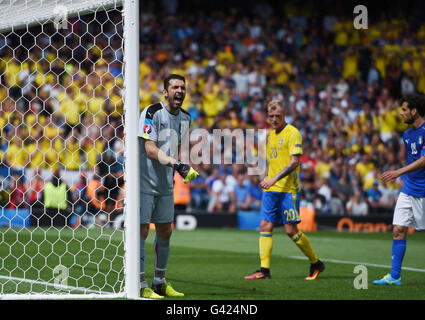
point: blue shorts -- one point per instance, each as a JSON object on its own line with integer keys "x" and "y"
{"x": 280, "y": 207}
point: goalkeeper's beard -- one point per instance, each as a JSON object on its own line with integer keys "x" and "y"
{"x": 173, "y": 105}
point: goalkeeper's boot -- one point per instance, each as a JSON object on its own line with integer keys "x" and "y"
{"x": 388, "y": 281}
{"x": 165, "y": 289}
{"x": 259, "y": 274}
{"x": 149, "y": 294}
{"x": 315, "y": 269}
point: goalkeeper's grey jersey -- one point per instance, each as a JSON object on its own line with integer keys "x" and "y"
{"x": 156, "y": 123}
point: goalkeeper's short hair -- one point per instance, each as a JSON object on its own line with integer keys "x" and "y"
{"x": 172, "y": 76}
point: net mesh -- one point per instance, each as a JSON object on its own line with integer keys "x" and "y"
{"x": 62, "y": 153}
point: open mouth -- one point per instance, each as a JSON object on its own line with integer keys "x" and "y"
{"x": 178, "y": 99}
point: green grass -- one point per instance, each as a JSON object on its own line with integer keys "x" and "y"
{"x": 93, "y": 260}
{"x": 209, "y": 264}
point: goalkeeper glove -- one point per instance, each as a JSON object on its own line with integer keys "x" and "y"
{"x": 186, "y": 171}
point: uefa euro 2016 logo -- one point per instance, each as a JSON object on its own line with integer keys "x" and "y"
{"x": 147, "y": 128}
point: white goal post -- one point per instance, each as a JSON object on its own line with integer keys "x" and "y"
{"x": 69, "y": 94}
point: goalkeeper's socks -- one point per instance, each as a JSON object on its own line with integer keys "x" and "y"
{"x": 143, "y": 283}
{"x": 157, "y": 280}
{"x": 302, "y": 241}
{"x": 397, "y": 255}
{"x": 159, "y": 276}
{"x": 142, "y": 255}
{"x": 162, "y": 251}
{"x": 266, "y": 246}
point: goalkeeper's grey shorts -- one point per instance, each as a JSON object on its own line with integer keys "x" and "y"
{"x": 156, "y": 208}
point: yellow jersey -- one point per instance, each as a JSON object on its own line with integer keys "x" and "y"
{"x": 280, "y": 147}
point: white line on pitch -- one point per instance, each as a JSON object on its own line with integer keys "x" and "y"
{"x": 357, "y": 263}
{"x": 51, "y": 284}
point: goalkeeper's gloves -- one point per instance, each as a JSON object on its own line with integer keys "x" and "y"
{"x": 186, "y": 171}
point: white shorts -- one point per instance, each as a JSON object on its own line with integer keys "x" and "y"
{"x": 409, "y": 212}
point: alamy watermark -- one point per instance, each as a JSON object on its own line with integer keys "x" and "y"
{"x": 361, "y": 19}
{"x": 360, "y": 281}
{"x": 221, "y": 147}
{"x": 61, "y": 274}
{"x": 61, "y": 15}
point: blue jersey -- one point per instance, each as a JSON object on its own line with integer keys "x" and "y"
{"x": 414, "y": 182}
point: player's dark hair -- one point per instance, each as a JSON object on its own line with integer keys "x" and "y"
{"x": 172, "y": 76}
{"x": 415, "y": 101}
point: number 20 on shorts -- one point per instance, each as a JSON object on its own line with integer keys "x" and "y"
{"x": 291, "y": 215}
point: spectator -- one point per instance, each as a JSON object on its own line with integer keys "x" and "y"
{"x": 181, "y": 193}
{"x": 337, "y": 204}
{"x": 356, "y": 206}
{"x": 112, "y": 185}
{"x": 57, "y": 200}
{"x": 18, "y": 192}
{"x": 325, "y": 194}
{"x": 223, "y": 196}
{"x": 374, "y": 196}
{"x": 389, "y": 196}
{"x": 309, "y": 191}
{"x": 255, "y": 191}
{"x": 198, "y": 190}
{"x": 35, "y": 190}
{"x": 96, "y": 198}
{"x": 364, "y": 166}
{"x": 242, "y": 193}
{"x": 81, "y": 205}
{"x": 343, "y": 188}
{"x": 212, "y": 178}
{"x": 71, "y": 155}
{"x": 70, "y": 110}
{"x": 373, "y": 74}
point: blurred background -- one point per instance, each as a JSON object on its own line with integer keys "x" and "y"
{"x": 61, "y": 117}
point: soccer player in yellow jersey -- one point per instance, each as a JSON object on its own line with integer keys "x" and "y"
{"x": 281, "y": 196}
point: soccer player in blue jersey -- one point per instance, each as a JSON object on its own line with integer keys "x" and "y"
{"x": 409, "y": 211}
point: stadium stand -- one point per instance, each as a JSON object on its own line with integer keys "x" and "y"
{"x": 340, "y": 87}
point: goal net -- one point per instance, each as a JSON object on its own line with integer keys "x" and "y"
{"x": 62, "y": 148}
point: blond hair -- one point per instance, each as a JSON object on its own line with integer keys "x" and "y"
{"x": 274, "y": 104}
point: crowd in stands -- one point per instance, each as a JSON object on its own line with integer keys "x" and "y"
{"x": 62, "y": 104}
{"x": 61, "y": 114}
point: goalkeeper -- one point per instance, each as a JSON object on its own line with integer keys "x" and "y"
{"x": 162, "y": 126}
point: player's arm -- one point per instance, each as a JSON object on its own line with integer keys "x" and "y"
{"x": 292, "y": 165}
{"x": 394, "y": 174}
{"x": 155, "y": 153}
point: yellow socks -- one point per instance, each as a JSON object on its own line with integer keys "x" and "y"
{"x": 266, "y": 246}
{"x": 302, "y": 241}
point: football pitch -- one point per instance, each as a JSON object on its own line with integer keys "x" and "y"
{"x": 209, "y": 264}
